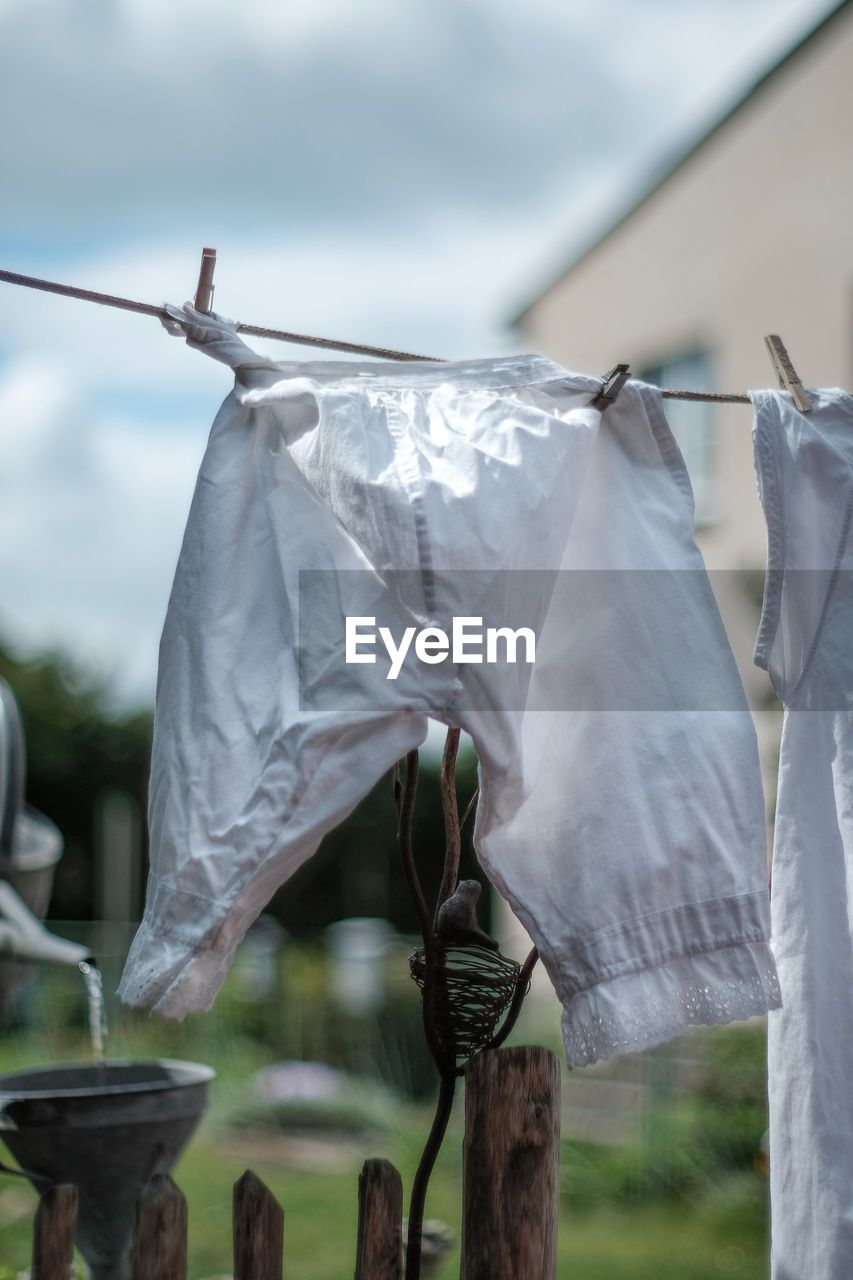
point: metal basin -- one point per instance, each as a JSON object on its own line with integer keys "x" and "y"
{"x": 108, "y": 1129}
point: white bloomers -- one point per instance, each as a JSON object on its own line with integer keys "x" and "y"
{"x": 804, "y": 467}
{"x": 621, "y": 813}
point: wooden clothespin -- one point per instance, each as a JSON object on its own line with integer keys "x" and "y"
{"x": 614, "y": 381}
{"x": 787, "y": 374}
{"x": 204, "y": 288}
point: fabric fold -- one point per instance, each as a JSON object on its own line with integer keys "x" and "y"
{"x": 621, "y": 813}
{"x": 804, "y": 470}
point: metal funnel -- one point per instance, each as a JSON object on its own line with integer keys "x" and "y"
{"x": 108, "y": 1129}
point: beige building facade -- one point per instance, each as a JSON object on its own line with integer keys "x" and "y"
{"x": 750, "y": 233}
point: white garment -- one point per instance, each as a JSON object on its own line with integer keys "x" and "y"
{"x": 805, "y": 641}
{"x": 628, "y": 838}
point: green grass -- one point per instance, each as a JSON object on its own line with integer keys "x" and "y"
{"x": 717, "y": 1231}
{"x": 667, "y": 1240}
{"x": 697, "y": 1219}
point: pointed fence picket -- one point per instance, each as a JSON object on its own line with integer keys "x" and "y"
{"x": 509, "y": 1209}
{"x": 53, "y": 1234}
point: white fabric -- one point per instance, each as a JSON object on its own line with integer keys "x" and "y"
{"x": 805, "y": 641}
{"x": 621, "y": 812}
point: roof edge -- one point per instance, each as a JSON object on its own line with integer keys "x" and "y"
{"x": 670, "y": 163}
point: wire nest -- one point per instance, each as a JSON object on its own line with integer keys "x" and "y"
{"x": 473, "y": 987}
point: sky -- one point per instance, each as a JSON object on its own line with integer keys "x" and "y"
{"x": 398, "y": 172}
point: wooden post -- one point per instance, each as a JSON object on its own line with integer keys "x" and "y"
{"x": 258, "y": 1221}
{"x": 379, "y": 1252}
{"x": 510, "y": 1163}
{"x": 158, "y": 1249}
{"x": 53, "y": 1234}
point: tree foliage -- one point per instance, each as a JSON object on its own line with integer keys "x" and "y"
{"x": 79, "y": 747}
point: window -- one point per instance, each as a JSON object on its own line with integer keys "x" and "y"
{"x": 693, "y": 424}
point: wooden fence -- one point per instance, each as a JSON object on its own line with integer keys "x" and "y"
{"x": 509, "y": 1196}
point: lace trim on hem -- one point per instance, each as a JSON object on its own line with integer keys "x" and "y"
{"x": 591, "y": 1036}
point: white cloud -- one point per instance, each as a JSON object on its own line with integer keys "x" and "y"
{"x": 386, "y": 173}
{"x": 103, "y": 419}
{"x": 387, "y": 291}
{"x": 260, "y": 114}
{"x": 91, "y": 515}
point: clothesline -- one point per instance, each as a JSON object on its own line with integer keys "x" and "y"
{"x": 301, "y": 339}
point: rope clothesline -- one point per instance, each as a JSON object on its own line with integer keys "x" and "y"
{"x": 301, "y": 339}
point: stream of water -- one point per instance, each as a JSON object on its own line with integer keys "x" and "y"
{"x": 97, "y": 1014}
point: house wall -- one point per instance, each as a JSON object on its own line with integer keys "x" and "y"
{"x": 753, "y": 234}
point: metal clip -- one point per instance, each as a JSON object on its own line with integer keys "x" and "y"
{"x": 613, "y": 383}
{"x": 787, "y": 374}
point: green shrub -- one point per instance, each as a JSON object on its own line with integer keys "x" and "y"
{"x": 690, "y": 1140}
{"x": 361, "y": 1107}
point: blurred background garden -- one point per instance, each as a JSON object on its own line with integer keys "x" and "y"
{"x": 596, "y": 182}
{"x": 317, "y": 1042}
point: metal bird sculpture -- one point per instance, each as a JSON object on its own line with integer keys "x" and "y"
{"x": 456, "y": 922}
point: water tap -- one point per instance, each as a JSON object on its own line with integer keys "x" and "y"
{"x": 24, "y": 937}
{"x": 29, "y": 846}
